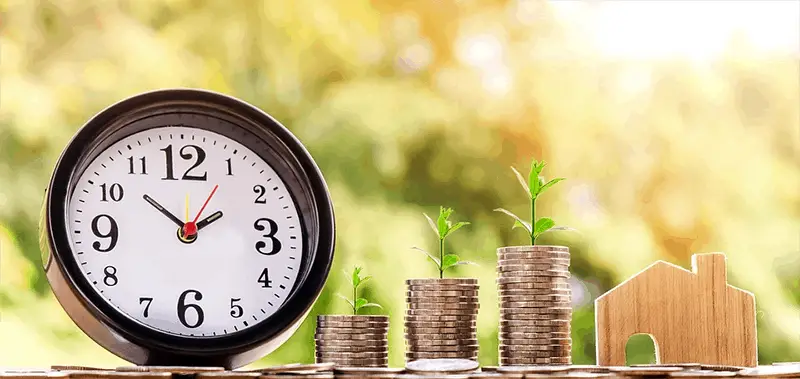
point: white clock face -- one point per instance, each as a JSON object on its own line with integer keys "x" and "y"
{"x": 233, "y": 265}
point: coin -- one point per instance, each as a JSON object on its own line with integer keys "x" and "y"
{"x": 551, "y": 322}
{"x": 559, "y": 284}
{"x": 550, "y": 298}
{"x": 444, "y": 299}
{"x": 352, "y": 349}
{"x": 367, "y": 371}
{"x": 534, "y": 291}
{"x": 422, "y": 343}
{"x": 779, "y": 371}
{"x": 414, "y": 355}
{"x": 349, "y": 337}
{"x": 352, "y": 325}
{"x": 539, "y": 274}
{"x": 352, "y": 355}
{"x": 536, "y": 260}
{"x": 523, "y": 361}
{"x": 441, "y": 318}
{"x": 437, "y": 306}
{"x": 353, "y": 318}
{"x": 439, "y": 337}
{"x": 532, "y": 336}
{"x": 440, "y": 324}
{"x": 506, "y": 279}
{"x": 441, "y": 281}
{"x": 443, "y": 330}
{"x": 447, "y": 288}
{"x": 442, "y": 366}
{"x": 530, "y": 317}
{"x": 533, "y": 267}
{"x": 701, "y": 374}
{"x": 533, "y": 255}
{"x": 450, "y": 293}
{"x": 447, "y": 312}
{"x": 532, "y": 369}
{"x": 354, "y": 362}
{"x": 532, "y": 248}
{"x": 348, "y": 331}
{"x": 334, "y": 342}
{"x": 445, "y": 348}
{"x": 227, "y": 375}
{"x": 555, "y": 310}
{"x": 169, "y": 369}
{"x": 645, "y": 371}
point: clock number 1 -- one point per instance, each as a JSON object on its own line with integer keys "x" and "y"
{"x": 183, "y": 307}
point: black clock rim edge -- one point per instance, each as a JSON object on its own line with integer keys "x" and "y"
{"x": 235, "y": 344}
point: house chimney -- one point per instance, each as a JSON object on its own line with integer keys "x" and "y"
{"x": 710, "y": 268}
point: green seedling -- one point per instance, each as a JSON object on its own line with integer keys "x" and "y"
{"x": 443, "y": 228}
{"x": 534, "y": 187}
{"x": 358, "y": 303}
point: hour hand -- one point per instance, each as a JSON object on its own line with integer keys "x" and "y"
{"x": 163, "y": 210}
{"x": 213, "y": 217}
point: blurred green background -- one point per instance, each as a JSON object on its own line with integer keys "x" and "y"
{"x": 676, "y": 125}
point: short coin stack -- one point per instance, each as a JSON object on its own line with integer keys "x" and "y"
{"x": 353, "y": 341}
{"x": 441, "y": 319}
{"x": 535, "y": 305}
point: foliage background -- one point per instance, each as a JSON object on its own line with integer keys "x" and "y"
{"x": 678, "y": 133}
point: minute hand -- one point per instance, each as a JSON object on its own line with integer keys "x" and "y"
{"x": 163, "y": 210}
{"x": 213, "y": 217}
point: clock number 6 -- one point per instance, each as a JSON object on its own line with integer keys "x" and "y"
{"x": 273, "y": 228}
{"x": 183, "y": 307}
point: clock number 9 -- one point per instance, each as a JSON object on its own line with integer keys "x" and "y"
{"x": 183, "y": 307}
{"x": 113, "y": 233}
{"x": 273, "y": 228}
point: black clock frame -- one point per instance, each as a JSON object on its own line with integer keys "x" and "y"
{"x": 133, "y": 341}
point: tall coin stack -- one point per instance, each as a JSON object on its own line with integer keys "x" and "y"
{"x": 352, "y": 341}
{"x": 535, "y": 305}
{"x": 441, "y": 319}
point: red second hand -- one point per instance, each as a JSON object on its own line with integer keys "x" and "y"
{"x": 191, "y": 227}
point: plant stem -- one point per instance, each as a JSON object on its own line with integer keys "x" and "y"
{"x": 355, "y": 312}
{"x": 533, "y": 220}
{"x": 441, "y": 258}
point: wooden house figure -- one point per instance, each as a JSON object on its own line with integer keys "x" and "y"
{"x": 692, "y": 316}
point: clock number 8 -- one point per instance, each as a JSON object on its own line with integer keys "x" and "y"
{"x": 273, "y": 228}
{"x": 110, "y": 279}
{"x": 183, "y": 307}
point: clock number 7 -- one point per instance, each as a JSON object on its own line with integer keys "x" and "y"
{"x": 148, "y": 300}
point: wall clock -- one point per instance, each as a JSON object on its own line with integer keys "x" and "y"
{"x": 186, "y": 227}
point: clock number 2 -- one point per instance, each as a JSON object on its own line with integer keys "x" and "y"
{"x": 270, "y": 234}
{"x": 199, "y": 153}
{"x": 183, "y": 307}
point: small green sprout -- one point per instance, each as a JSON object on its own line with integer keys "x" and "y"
{"x": 443, "y": 228}
{"x": 535, "y": 186}
{"x": 357, "y": 303}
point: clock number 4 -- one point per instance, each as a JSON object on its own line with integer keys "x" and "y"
{"x": 271, "y": 229}
{"x": 183, "y": 307}
{"x": 264, "y": 279}
{"x": 199, "y": 156}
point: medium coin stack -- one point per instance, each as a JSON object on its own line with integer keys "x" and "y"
{"x": 352, "y": 341}
{"x": 441, "y": 319}
{"x": 535, "y": 305}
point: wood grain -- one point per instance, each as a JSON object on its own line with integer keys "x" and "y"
{"x": 693, "y": 316}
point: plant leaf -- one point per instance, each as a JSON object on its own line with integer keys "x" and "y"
{"x": 542, "y": 225}
{"x": 444, "y": 214}
{"x": 360, "y": 303}
{"x": 347, "y": 300}
{"x": 376, "y": 305}
{"x": 533, "y": 177}
{"x": 364, "y": 279}
{"x": 455, "y": 227}
{"x": 356, "y": 277}
{"x": 432, "y": 224}
{"x": 449, "y": 260}
{"x": 564, "y": 228}
{"x": 519, "y": 221}
{"x": 434, "y": 259}
{"x": 466, "y": 263}
{"x": 549, "y": 184}
{"x": 522, "y": 181}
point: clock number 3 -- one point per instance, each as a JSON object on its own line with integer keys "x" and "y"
{"x": 271, "y": 229}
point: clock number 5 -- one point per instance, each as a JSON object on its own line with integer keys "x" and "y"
{"x": 199, "y": 153}
{"x": 183, "y": 307}
{"x": 236, "y": 309}
{"x": 271, "y": 229}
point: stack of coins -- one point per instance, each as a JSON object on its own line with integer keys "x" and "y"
{"x": 353, "y": 341}
{"x": 535, "y": 305}
{"x": 441, "y": 319}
